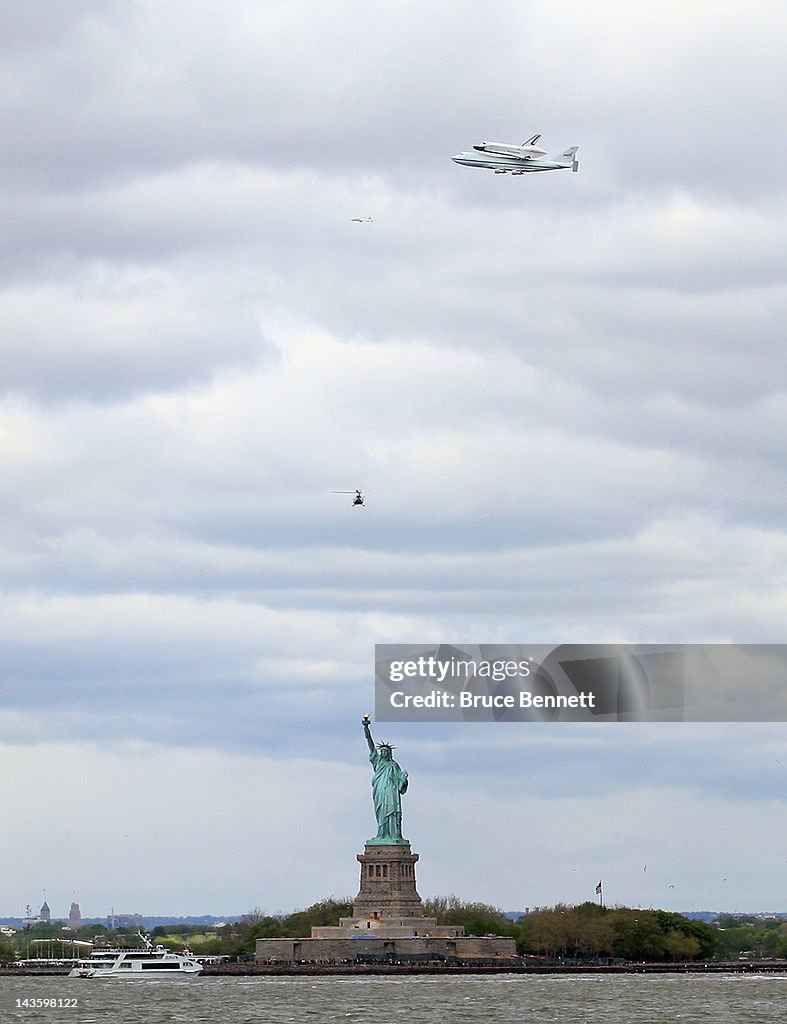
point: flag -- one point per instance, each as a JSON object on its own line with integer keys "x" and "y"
{"x": 598, "y": 889}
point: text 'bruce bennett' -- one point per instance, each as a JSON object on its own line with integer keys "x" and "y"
{"x": 526, "y": 699}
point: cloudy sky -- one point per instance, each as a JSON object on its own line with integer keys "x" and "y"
{"x": 564, "y": 395}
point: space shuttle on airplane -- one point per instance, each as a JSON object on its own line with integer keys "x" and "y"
{"x": 503, "y": 158}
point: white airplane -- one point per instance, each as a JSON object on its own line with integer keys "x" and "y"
{"x": 506, "y": 159}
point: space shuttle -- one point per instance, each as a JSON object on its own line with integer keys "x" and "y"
{"x": 526, "y": 151}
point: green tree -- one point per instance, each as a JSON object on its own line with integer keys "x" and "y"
{"x": 324, "y": 912}
{"x": 681, "y": 946}
{"x": 733, "y": 941}
{"x": 703, "y": 933}
{"x": 638, "y": 936}
{"x": 547, "y": 931}
{"x": 477, "y": 918}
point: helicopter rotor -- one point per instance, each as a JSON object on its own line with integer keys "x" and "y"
{"x": 359, "y": 498}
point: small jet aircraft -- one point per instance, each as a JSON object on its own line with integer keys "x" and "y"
{"x": 357, "y": 500}
{"x": 507, "y": 159}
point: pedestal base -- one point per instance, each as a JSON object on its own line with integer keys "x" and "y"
{"x": 387, "y": 883}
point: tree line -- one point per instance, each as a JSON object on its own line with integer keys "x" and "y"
{"x": 592, "y": 931}
{"x": 563, "y": 932}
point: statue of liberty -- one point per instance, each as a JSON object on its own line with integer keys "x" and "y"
{"x": 388, "y": 784}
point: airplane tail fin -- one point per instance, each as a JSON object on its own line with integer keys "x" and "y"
{"x": 568, "y": 158}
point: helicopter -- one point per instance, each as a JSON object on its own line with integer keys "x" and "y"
{"x": 357, "y": 500}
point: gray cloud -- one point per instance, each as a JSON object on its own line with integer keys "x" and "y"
{"x": 564, "y": 394}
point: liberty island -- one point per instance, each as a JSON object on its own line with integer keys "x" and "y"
{"x": 388, "y": 918}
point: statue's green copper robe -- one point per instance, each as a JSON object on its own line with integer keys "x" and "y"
{"x": 388, "y": 784}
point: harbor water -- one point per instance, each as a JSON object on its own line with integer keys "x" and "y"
{"x": 569, "y": 999}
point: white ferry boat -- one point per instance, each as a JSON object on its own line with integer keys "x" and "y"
{"x": 133, "y": 962}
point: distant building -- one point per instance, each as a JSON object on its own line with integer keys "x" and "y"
{"x": 74, "y": 916}
{"x": 125, "y": 921}
{"x": 45, "y": 914}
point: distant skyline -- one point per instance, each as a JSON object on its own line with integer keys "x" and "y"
{"x": 152, "y": 920}
{"x": 149, "y": 920}
{"x": 563, "y": 396}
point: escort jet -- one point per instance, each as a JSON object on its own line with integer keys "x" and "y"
{"x": 507, "y": 159}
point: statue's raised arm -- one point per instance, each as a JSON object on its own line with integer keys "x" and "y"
{"x": 388, "y": 784}
{"x": 368, "y": 733}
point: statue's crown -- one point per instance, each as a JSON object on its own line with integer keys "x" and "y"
{"x": 390, "y": 746}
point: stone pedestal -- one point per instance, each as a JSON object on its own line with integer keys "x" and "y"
{"x": 388, "y": 905}
{"x": 387, "y": 883}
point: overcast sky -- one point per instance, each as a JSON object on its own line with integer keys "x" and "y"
{"x": 564, "y": 395}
